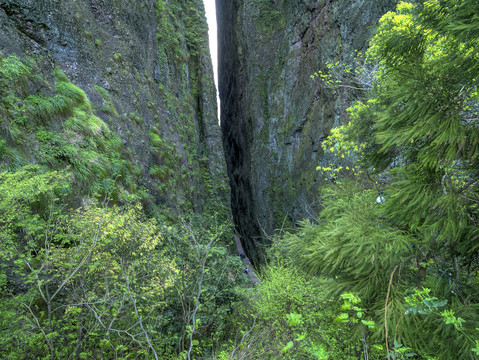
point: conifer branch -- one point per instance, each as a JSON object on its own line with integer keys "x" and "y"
{"x": 469, "y": 184}
{"x": 468, "y": 198}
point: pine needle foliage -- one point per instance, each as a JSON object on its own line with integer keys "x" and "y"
{"x": 419, "y": 134}
{"x": 352, "y": 243}
{"x": 423, "y": 121}
{"x": 354, "y": 250}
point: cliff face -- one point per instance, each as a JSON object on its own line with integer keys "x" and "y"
{"x": 273, "y": 115}
{"x": 121, "y": 91}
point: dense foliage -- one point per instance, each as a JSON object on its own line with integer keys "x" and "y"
{"x": 104, "y": 281}
{"x": 399, "y": 223}
{"x": 387, "y": 269}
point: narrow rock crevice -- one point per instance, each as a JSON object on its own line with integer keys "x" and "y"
{"x": 236, "y": 129}
{"x": 273, "y": 115}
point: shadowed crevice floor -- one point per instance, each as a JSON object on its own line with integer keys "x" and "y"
{"x": 247, "y": 264}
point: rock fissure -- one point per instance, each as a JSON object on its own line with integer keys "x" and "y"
{"x": 273, "y": 116}
{"x": 148, "y": 76}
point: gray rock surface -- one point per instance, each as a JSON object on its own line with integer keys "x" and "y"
{"x": 273, "y": 115}
{"x": 152, "y": 58}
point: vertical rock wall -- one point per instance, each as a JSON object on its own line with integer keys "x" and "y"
{"x": 273, "y": 115}
{"x": 146, "y": 68}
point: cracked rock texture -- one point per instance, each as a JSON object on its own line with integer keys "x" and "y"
{"x": 145, "y": 66}
{"x": 273, "y": 115}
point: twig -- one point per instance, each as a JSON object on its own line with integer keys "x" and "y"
{"x": 467, "y": 198}
{"x": 244, "y": 336}
{"x": 50, "y": 345}
{"x": 396, "y": 328}
{"x": 200, "y": 282}
{"x": 197, "y": 305}
{"x": 138, "y": 316}
{"x": 386, "y": 308}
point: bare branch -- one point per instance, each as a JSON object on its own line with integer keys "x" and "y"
{"x": 138, "y": 315}
{"x": 200, "y": 282}
{"x": 244, "y": 336}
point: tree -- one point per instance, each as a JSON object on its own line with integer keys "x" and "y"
{"x": 422, "y": 123}
{"x": 418, "y": 135}
{"x": 83, "y": 280}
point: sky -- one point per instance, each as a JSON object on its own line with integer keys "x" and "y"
{"x": 211, "y": 18}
